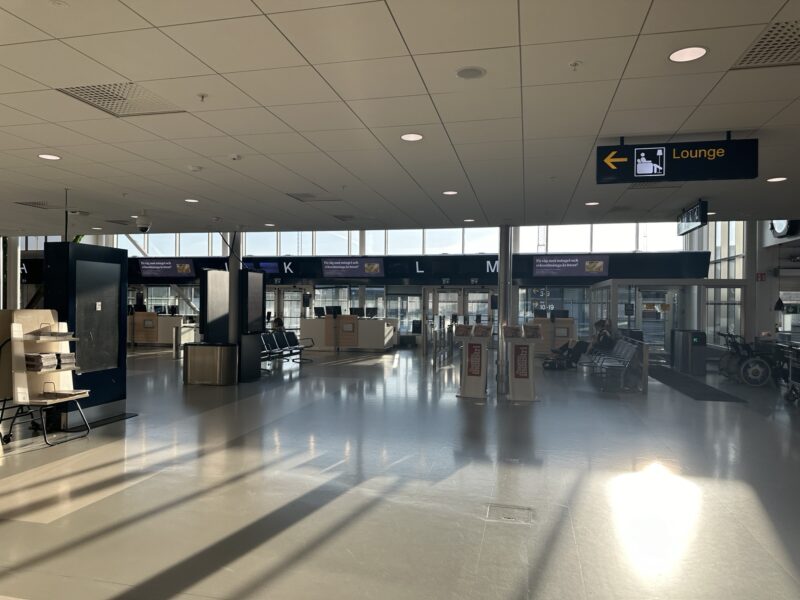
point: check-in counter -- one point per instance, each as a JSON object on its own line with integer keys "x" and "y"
{"x": 350, "y": 333}
{"x": 148, "y": 328}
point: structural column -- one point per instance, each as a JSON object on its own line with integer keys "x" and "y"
{"x": 2, "y": 275}
{"x": 234, "y": 265}
{"x": 503, "y": 305}
{"x": 13, "y": 266}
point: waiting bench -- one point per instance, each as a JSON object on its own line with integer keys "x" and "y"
{"x": 612, "y": 366}
{"x": 284, "y": 346}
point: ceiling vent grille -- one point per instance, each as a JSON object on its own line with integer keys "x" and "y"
{"x": 123, "y": 222}
{"x": 344, "y": 218}
{"x": 779, "y": 45}
{"x": 122, "y": 99}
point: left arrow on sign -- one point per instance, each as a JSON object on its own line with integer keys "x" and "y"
{"x": 610, "y": 159}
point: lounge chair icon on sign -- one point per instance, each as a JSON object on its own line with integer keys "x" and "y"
{"x": 650, "y": 162}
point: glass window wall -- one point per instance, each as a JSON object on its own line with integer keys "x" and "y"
{"x": 161, "y": 244}
{"x": 193, "y": 244}
{"x": 569, "y": 238}
{"x": 404, "y": 241}
{"x": 444, "y": 241}
{"x": 614, "y": 237}
{"x": 261, "y": 243}
{"x": 481, "y": 240}
{"x": 331, "y": 243}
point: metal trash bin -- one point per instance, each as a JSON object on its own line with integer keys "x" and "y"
{"x": 210, "y": 364}
{"x": 689, "y": 351}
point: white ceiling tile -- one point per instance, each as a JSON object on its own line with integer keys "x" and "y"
{"x": 650, "y": 58}
{"x": 543, "y": 22}
{"x": 17, "y": 31}
{"x": 274, "y": 87}
{"x": 272, "y": 6}
{"x": 49, "y": 134}
{"x": 217, "y": 146}
{"x": 243, "y": 121}
{"x": 10, "y": 116}
{"x": 440, "y": 70}
{"x": 560, "y": 146}
{"x": 597, "y": 60}
{"x": 682, "y": 15}
{"x": 111, "y": 130}
{"x": 174, "y": 12}
{"x": 142, "y": 167}
{"x": 479, "y": 105}
{"x": 175, "y": 126}
{"x": 205, "y": 92}
{"x": 656, "y": 121}
{"x": 140, "y": 55}
{"x": 55, "y": 64}
{"x": 318, "y": 117}
{"x": 409, "y": 110}
{"x": 450, "y": 25}
{"x": 790, "y": 11}
{"x": 378, "y": 78}
{"x": 11, "y": 81}
{"x": 496, "y": 130}
{"x": 258, "y": 44}
{"x": 8, "y": 142}
{"x": 348, "y": 139}
{"x": 158, "y": 149}
{"x": 490, "y": 151}
{"x": 571, "y": 109}
{"x": 76, "y": 17}
{"x": 658, "y": 92}
{"x": 277, "y": 143}
{"x": 105, "y": 153}
{"x": 52, "y": 105}
{"x": 756, "y": 85}
{"x": 342, "y": 33}
{"x": 740, "y": 116}
{"x": 434, "y": 138}
{"x": 788, "y": 116}
{"x": 92, "y": 169}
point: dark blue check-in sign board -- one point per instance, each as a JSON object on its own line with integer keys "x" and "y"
{"x": 687, "y": 161}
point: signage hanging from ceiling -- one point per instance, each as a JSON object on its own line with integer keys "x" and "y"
{"x": 570, "y": 265}
{"x": 352, "y": 267}
{"x": 166, "y": 267}
{"x": 693, "y": 218}
{"x": 687, "y": 161}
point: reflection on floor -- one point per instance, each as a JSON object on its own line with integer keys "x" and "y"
{"x": 362, "y": 476}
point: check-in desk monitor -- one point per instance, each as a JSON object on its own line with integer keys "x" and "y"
{"x": 357, "y": 312}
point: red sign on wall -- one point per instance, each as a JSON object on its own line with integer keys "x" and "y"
{"x": 521, "y": 361}
{"x": 474, "y": 355}
{"x": 761, "y": 276}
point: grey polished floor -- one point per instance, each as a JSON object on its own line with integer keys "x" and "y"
{"x": 365, "y": 477}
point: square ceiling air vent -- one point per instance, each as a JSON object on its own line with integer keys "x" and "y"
{"x": 122, "y": 99}
{"x": 119, "y": 221}
{"x": 41, "y": 205}
{"x": 778, "y": 46}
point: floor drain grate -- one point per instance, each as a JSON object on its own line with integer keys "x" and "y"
{"x": 504, "y": 513}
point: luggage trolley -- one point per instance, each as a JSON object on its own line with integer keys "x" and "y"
{"x": 792, "y": 355}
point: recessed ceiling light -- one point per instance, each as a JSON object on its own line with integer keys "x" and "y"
{"x": 411, "y": 137}
{"x": 471, "y": 72}
{"x": 450, "y": 193}
{"x": 688, "y": 54}
{"x": 134, "y": 216}
{"x": 776, "y": 179}
{"x": 191, "y": 200}
{"x": 269, "y": 224}
{"x": 49, "y": 157}
{"x": 592, "y": 203}
{"x": 711, "y": 214}
{"x": 469, "y": 220}
{"x": 97, "y": 228}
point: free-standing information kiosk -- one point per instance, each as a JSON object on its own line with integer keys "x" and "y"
{"x": 474, "y": 359}
{"x": 521, "y": 386}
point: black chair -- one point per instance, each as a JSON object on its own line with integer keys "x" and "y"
{"x": 299, "y": 346}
